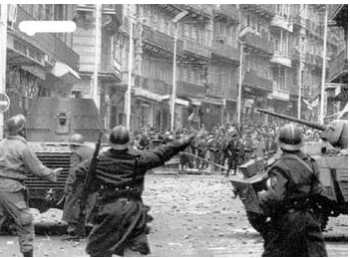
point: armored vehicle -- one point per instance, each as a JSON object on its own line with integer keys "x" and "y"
{"x": 50, "y": 123}
{"x": 331, "y": 157}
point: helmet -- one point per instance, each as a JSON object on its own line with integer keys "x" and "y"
{"x": 119, "y": 137}
{"x": 290, "y": 137}
{"x": 76, "y": 139}
{"x": 16, "y": 123}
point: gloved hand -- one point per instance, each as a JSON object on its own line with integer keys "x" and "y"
{"x": 57, "y": 172}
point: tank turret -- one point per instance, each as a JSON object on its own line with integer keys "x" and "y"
{"x": 56, "y": 119}
{"x": 336, "y": 132}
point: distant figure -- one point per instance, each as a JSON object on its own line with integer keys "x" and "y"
{"x": 74, "y": 186}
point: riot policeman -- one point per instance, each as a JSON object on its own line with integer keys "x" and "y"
{"x": 289, "y": 200}
{"x": 16, "y": 160}
{"x": 121, "y": 220}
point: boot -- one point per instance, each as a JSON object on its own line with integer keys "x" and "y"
{"x": 28, "y": 254}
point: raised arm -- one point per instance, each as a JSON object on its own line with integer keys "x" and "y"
{"x": 157, "y": 157}
{"x": 36, "y": 167}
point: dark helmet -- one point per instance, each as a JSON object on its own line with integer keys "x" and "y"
{"x": 119, "y": 136}
{"x": 290, "y": 137}
{"x": 76, "y": 139}
{"x": 16, "y": 123}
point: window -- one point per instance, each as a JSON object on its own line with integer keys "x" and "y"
{"x": 59, "y": 12}
{"x": 49, "y": 11}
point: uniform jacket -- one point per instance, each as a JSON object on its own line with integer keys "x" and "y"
{"x": 16, "y": 161}
{"x": 126, "y": 168}
{"x": 293, "y": 176}
{"x": 79, "y": 155}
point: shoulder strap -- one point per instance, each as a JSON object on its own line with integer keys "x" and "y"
{"x": 300, "y": 160}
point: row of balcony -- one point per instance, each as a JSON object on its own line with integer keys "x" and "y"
{"x": 184, "y": 89}
{"x": 47, "y": 42}
{"x": 222, "y": 50}
{"x": 257, "y": 42}
{"x": 265, "y": 10}
{"x": 165, "y": 43}
{"x": 313, "y": 28}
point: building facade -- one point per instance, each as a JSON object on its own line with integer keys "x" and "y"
{"x": 282, "y": 47}
{"x": 338, "y": 68}
{"x": 109, "y": 92}
{"x": 282, "y": 55}
{"x": 41, "y": 65}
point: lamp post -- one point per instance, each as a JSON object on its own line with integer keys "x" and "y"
{"x": 96, "y": 91}
{"x": 242, "y": 33}
{"x": 323, "y": 82}
{"x": 130, "y": 61}
{"x": 176, "y": 19}
{"x": 240, "y": 81}
{"x": 3, "y": 49}
{"x": 301, "y": 53}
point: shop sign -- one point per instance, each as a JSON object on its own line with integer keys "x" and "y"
{"x": 280, "y": 95}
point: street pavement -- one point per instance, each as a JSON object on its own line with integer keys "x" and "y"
{"x": 194, "y": 215}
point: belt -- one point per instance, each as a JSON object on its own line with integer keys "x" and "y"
{"x": 119, "y": 192}
{"x": 117, "y": 188}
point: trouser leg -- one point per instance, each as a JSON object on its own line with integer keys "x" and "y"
{"x": 15, "y": 207}
{"x": 26, "y": 235}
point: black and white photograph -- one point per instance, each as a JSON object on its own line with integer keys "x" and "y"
{"x": 173, "y": 130}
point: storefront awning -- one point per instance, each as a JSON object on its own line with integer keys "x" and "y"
{"x": 35, "y": 70}
{"x": 65, "y": 73}
{"x": 251, "y": 79}
{"x": 178, "y": 101}
{"x": 139, "y": 92}
{"x": 214, "y": 101}
{"x": 195, "y": 101}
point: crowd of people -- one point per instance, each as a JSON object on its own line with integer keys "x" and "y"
{"x": 222, "y": 148}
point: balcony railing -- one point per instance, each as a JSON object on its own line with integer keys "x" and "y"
{"x": 282, "y": 58}
{"x": 227, "y": 11}
{"x": 190, "y": 89}
{"x": 154, "y": 85}
{"x": 47, "y": 42}
{"x": 194, "y": 47}
{"x": 197, "y": 11}
{"x": 160, "y": 40}
{"x": 225, "y": 51}
{"x": 267, "y": 10}
{"x": 259, "y": 43}
{"x": 338, "y": 66}
{"x": 282, "y": 22}
{"x": 110, "y": 65}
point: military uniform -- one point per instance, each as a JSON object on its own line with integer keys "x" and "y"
{"x": 121, "y": 221}
{"x": 16, "y": 160}
{"x": 73, "y": 190}
{"x": 289, "y": 200}
{"x": 232, "y": 151}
